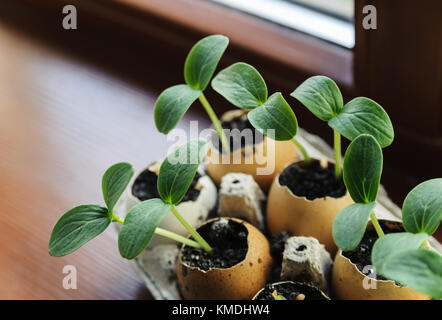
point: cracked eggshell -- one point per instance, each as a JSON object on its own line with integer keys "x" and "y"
{"x": 195, "y": 212}
{"x": 284, "y": 152}
{"x": 303, "y": 217}
{"x": 348, "y": 281}
{"x": 239, "y": 282}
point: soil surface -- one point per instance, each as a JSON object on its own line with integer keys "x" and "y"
{"x": 291, "y": 291}
{"x": 238, "y": 141}
{"x": 361, "y": 256}
{"x": 312, "y": 181}
{"x": 145, "y": 187}
{"x": 277, "y": 245}
{"x": 228, "y": 240}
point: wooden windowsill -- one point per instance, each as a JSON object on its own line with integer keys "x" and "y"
{"x": 147, "y": 41}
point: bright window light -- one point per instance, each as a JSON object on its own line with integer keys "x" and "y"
{"x": 319, "y": 18}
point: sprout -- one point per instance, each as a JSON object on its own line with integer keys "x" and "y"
{"x": 404, "y": 257}
{"x": 243, "y": 86}
{"x": 83, "y": 223}
{"x": 362, "y": 175}
{"x": 361, "y": 115}
{"x": 277, "y": 296}
{"x": 199, "y": 67}
{"x": 407, "y": 257}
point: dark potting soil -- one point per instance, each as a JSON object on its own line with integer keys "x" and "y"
{"x": 228, "y": 240}
{"x": 236, "y": 139}
{"x": 361, "y": 256}
{"x": 290, "y": 291}
{"x": 277, "y": 245}
{"x": 312, "y": 181}
{"x": 145, "y": 187}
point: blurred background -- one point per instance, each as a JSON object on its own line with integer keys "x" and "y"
{"x": 72, "y": 102}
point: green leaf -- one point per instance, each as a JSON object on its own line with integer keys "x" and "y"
{"x": 202, "y": 60}
{"x": 171, "y": 106}
{"x": 76, "y": 227}
{"x": 419, "y": 269}
{"x": 363, "y": 115}
{"x": 321, "y": 96}
{"x": 113, "y": 183}
{"x": 178, "y": 170}
{"x": 393, "y": 243}
{"x": 422, "y": 208}
{"x": 242, "y": 85}
{"x": 350, "y": 223}
{"x": 363, "y": 168}
{"x": 275, "y": 114}
{"x": 139, "y": 226}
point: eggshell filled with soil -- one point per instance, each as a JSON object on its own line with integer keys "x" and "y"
{"x": 263, "y": 159}
{"x": 303, "y": 215}
{"x": 349, "y": 283}
{"x": 238, "y": 265}
{"x": 195, "y": 207}
{"x": 291, "y": 291}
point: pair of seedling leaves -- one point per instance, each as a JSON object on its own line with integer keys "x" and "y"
{"x": 243, "y": 86}
{"x": 397, "y": 256}
{"x": 83, "y": 223}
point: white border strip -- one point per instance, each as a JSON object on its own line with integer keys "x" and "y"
{"x": 296, "y": 17}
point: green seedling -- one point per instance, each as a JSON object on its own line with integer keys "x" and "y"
{"x": 199, "y": 67}
{"x": 406, "y": 257}
{"x": 277, "y": 296}
{"x": 83, "y": 223}
{"x": 362, "y": 176}
{"x": 243, "y": 86}
{"x": 361, "y": 115}
{"x": 403, "y": 257}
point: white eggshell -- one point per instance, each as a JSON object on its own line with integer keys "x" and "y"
{"x": 194, "y": 212}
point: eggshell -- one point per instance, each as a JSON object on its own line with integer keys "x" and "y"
{"x": 303, "y": 217}
{"x": 239, "y": 282}
{"x": 347, "y": 280}
{"x": 299, "y": 285}
{"x": 284, "y": 152}
{"x": 195, "y": 212}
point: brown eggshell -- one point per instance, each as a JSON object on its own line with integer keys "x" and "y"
{"x": 303, "y": 217}
{"x": 239, "y": 282}
{"x": 347, "y": 280}
{"x": 285, "y": 152}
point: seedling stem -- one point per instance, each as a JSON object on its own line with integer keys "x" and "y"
{"x": 215, "y": 122}
{"x": 337, "y": 147}
{"x": 165, "y": 233}
{"x": 177, "y": 237}
{"x": 192, "y": 231}
{"x": 376, "y": 225}
{"x": 116, "y": 218}
{"x": 303, "y": 151}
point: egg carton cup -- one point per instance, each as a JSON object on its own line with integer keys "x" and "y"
{"x": 157, "y": 264}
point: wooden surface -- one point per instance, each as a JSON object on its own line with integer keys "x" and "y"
{"x": 62, "y": 123}
{"x": 397, "y": 65}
